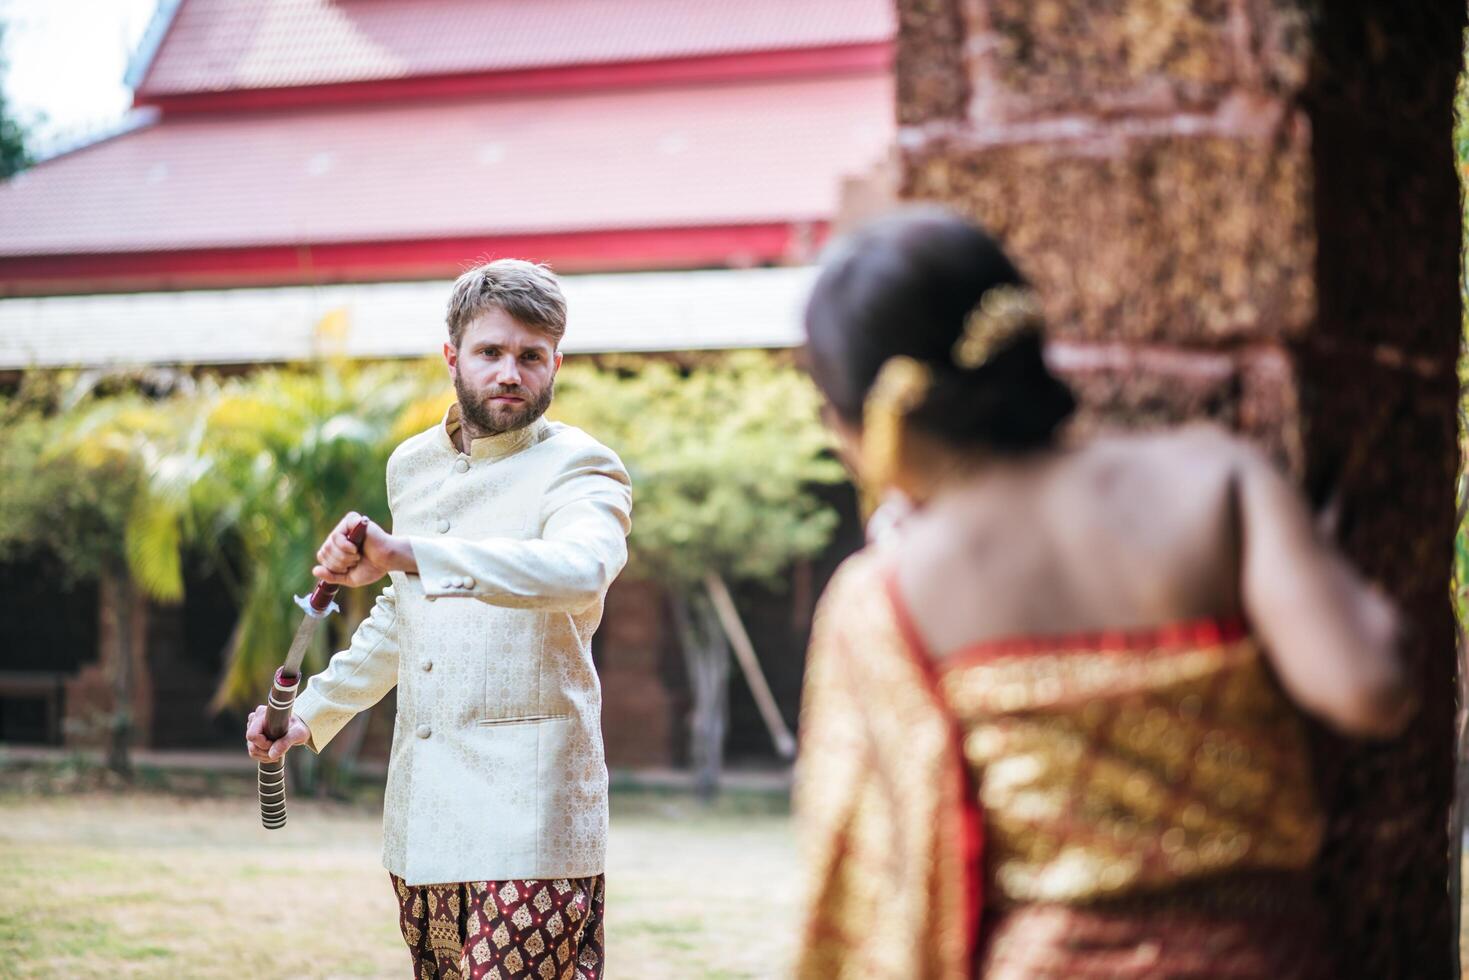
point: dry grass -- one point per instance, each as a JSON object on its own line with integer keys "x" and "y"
{"x": 102, "y": 883}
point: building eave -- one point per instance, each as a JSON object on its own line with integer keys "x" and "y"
{"x": 795, "y": 63}
{"x": 699, "y": 247}
{"x": 611, "y": 313}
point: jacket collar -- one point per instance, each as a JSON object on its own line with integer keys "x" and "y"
{"x": 490, "y": 447}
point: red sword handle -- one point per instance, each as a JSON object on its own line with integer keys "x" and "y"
{"x": 322, "y": 595}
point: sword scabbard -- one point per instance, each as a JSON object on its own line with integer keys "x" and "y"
{"x": 271, "y": 776}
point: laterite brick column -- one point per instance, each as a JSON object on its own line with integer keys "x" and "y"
{"x": 1247, "y": 210}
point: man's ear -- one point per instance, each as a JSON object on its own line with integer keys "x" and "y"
{"x": 451, "y": 357}
{"x": 557, "y": 360}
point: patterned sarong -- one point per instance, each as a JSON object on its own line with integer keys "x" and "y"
{"x": 547, "y": 929}
{"x": 1116, "y": 804}
{"x": 1166, "y": 941}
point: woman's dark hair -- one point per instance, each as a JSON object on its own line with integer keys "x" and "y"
{"x": 905, "y": 284}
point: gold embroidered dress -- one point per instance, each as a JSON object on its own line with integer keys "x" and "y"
{"x": 1118, "y": 804}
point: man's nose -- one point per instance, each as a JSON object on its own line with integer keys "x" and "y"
{"x": 507, "y": 371}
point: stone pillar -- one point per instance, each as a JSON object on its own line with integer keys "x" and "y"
{"x": 1247, "y": 210}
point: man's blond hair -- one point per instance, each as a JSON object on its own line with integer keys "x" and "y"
{"x": 527, "y": 291}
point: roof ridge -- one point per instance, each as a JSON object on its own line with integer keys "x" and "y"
{"x": 158, "y": 27}
{"x": 202, "y": 47}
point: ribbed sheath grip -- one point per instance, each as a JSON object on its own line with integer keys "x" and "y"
{"x": 272, "y": 775}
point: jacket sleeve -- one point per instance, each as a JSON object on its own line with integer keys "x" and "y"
{"x": 356, "y": 678}
{"x": 586, "y": 512}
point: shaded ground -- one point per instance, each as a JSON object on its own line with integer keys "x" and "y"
{"x": 150, "y": 883}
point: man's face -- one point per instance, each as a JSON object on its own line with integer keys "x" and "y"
{"x": 504, "y": 373}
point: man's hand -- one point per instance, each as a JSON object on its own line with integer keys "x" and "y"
{"x": 262, "y": 749}
{"x": 339, "y": 563}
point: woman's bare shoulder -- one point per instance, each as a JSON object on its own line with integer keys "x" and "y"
{"x": 1203, "y": 447}
{"x": 855, "y": 579}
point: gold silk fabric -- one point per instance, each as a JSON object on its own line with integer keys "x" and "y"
{"x": 1098, "y": 767}
{"x": 1113, "y": 765}
{"x": 879, "y": 800}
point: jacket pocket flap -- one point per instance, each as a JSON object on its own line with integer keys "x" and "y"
{"x": 520, "y": 720}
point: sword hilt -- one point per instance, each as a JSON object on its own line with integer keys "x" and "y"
{"x": 322, "y": 596}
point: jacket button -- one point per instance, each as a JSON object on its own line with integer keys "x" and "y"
{"x": 443, "y": 525}
{"x": 448, "y": 583}
{"x": 428, "y": 665}
{"x": 467, "y": 582}
{"x": 462, "y": 465}
{"x": 424, "y": 731}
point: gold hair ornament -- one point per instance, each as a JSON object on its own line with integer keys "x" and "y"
{"x": 1002, "y": 313}
{"x": 900, "y": 387}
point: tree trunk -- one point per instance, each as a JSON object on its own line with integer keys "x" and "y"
{"x": 120, "y": 726}
{"x": 706, "y": 656}
{"x": 1460, "y": 804}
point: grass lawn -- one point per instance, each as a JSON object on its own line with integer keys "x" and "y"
{"x": 159, "y": 883}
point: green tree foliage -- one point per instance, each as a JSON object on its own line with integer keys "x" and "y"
{"x": 46, "y": 503}
{"x": 251, "y": 474}
{"x": 724, "y": 460}
{"x": 104, "y": 488}
{"x": 293, "y": 451}
{"x": 13, "y": 156}
{"x": 1461, "y": 539}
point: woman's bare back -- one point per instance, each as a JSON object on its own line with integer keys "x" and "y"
{"x": 1123, "y": 532}
{"x": 1146, "y": 530}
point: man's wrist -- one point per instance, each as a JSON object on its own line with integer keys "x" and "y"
{"x": 400, "y": 555}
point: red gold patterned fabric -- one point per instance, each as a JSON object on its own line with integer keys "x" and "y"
{"x": 547, "y": 929}
{"x": 1072, "y": 942}
{"x": 1061, "y": 778}
{"x": 1113, "y": 764}
{"x": 882, "y": 802}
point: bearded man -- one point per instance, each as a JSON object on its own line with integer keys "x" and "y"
{"x": 507, "y": 530}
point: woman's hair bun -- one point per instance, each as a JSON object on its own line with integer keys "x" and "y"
{"x": 906, "y": 285}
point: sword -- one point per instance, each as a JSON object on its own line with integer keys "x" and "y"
{"x": 271, "y": 776}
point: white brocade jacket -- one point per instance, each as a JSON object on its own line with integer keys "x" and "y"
{"x": 497, "y": 769}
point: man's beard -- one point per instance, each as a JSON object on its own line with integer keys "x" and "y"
{"x": 489, "y": 420}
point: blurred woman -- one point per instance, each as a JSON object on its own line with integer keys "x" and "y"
{"x": 1052, "y": 720}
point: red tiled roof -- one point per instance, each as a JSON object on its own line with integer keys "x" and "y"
{"x": 652, "y": 158}
{"x": 222, "y": 45}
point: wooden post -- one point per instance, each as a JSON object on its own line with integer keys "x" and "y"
{"x": 734, "y": 629}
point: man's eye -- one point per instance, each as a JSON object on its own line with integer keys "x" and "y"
{"x": 532, "y": 357}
